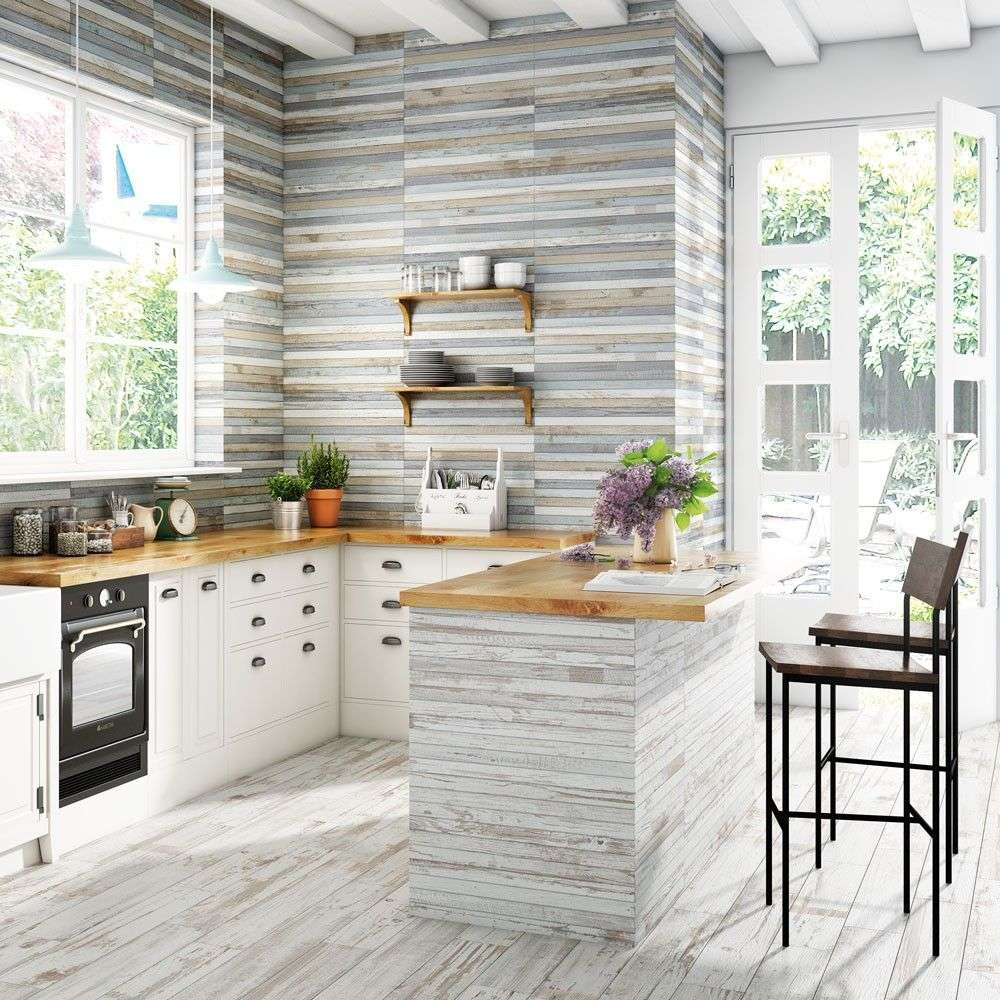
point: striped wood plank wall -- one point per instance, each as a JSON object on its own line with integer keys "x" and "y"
{"x": 593, "y": 156}
{"x": 157, "y": 50}
{"x": 568, "y": 775}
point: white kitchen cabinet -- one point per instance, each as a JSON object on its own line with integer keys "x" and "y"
{"x": 203, "y": 669}
{"x": 376, "y": 662}
{"x": 461, "y": 562}
{"x": 166, "y": 668}
{"x": 23, "y": 785}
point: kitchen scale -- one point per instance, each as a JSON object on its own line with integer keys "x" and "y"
{"x": 179, "y": 519}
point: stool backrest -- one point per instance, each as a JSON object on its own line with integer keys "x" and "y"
{"x": 933, "y": 570}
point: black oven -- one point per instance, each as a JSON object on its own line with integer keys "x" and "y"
{"x": 103, "y": 731}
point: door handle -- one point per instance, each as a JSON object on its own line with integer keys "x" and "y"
{"x": 391, "y": 605}
{"x": 308, "y": 568}
{"x": 308, "y": 609}
{"x": 136, "y": 624}
{"x": 258, "y": 578}
{"x": 209, "y": 585}
{"x": 257, "y": 621}
{"x": 494, "y": 566}
{"x": 258, "y": 661}
{"x": 392, "y": 564}
{"x": 392, "y": 640}
{"x": 169, "y": 594}
{"x": 308, "y": 647}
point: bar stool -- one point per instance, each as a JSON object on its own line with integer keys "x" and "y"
{"x": 931, "y": 577}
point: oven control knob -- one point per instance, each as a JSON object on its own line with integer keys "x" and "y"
{"x": 88, "y": 600}
{"x": 120, "y": 595}
{"x": 105, "y": 597}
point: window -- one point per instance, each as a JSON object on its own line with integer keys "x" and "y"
{"x": 94, "y": 376}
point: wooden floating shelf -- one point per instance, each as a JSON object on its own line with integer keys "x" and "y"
{"x": 407, "y": 392}
{"x": 405, "y": 301}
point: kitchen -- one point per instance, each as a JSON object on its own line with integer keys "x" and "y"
{"x": 358, "y": 338}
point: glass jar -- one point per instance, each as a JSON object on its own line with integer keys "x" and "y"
{"x": 456, "y": 282}
{"x": 98, "y": 541}
{"x": 441, "y": 279}
{"x": 28, "y": 533}
{"x": 58, "y": 515}
{"x": 71, "y": 543}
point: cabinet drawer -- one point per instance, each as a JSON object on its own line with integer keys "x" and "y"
{"x": 257, "y": 622}
{"x": 307, "y": 609}
{"x": 372, "y": 602}
{"x": 373, "y": 669}
{"x": 272, "y": 575}
{"x": 459, "y": 562}
{"x": 254, "y": 687}
{"x": 389, "y": 564}
{"x": 309, "y": 666}
{"x": 311, "y": 568}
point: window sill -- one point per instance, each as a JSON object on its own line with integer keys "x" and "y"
{"x": 110, "y": 475}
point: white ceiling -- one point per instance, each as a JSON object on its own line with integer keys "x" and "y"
{"x": 790, "y": 31}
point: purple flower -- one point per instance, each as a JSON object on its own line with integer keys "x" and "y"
{"x": 579, "y": 553}
{"x": 623, "y": 563}
{"x": 629, "y": 446}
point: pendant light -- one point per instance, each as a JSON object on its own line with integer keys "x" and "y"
{"x": 76, "y": 258}
{"x": 212, "y": 281}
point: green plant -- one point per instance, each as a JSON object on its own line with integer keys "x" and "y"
{"x": 324, "y": 466}
{"x": 286, "y": 488}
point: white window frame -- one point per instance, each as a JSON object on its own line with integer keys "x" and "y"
{"x": 77, "y": 458}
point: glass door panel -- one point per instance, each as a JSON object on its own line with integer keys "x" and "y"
{"x": 102, "y": 683}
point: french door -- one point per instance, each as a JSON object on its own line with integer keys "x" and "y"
{"x": 864, "y": 368}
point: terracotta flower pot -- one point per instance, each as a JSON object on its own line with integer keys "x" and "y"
{"x": 324, "y": 507}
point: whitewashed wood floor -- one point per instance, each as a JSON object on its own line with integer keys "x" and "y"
{"x": 292, "y": 884}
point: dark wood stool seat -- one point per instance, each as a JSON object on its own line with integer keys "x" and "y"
{"x": 840, "y": 665}
{"x": 901, "y": 655}
{"x": 873, "y": 632}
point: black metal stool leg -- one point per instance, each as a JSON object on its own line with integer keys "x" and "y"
{"x": 785, "y": 809}
{"x": 936, "y": 823}
{"x": 906, "y": 801}
{"x": 819, "y": 776}
{"x": 769, "y": 791}
{"x": 833, "y": 762}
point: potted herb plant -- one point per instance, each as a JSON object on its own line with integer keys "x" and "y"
{"x": 286, "y": 500}
{"x": 325, "y": 469}
{"x": 652, "y": 492}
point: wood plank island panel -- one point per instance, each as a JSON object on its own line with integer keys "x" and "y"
{"x": 568, "y": 774}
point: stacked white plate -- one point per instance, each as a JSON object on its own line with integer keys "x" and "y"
{"x": 494, "y": 375}
{"x": 510, "y": 274}
{"x": 427, "y": 368}
{"x": 476, "y": 272}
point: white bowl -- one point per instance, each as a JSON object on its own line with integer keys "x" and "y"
{"x": 473, "y": 262}
{"x": 510, "y": 279}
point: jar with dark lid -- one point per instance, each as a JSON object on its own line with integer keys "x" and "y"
{"x": 28, "y": 535}
{"x": 58, "y": 515}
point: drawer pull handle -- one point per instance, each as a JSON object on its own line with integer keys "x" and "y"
{"x": 494, "y": 566}
{"x": 392, "y": 564}
{"x": 257, "y": 621}
{"x": 308, "y": 609}
{"x": 391, "y": 640}
{"x": 391, "y": 605}
{"x": 308, "y": 568}
{"x": 258, "y": 661}
{"x": 209, "y": 585}
{"x": 308, "y": 647}
{"x": 258, "y": 578}
{"x": 169, "y": 594}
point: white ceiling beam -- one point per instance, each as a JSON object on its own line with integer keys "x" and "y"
{"x": 942, "y": 24}
{"x": 594, "y": 13}
{"x": 450, "y": 21}
{"x": 288, "y": 22}
{"x": 781, "y": 30}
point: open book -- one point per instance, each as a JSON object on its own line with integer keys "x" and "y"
{"x": 688, "y": 583}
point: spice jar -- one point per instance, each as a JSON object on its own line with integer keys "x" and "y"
{"x": 71, "y": 543}
{"x": 98, "y": 541}
{"x": 27, "y": 531}
{"x": 57, "y": 515}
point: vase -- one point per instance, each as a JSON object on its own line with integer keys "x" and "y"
{"x": 324, "y": 507}
{"x": 664, "y": 547}
{"x": 286, "y": 515}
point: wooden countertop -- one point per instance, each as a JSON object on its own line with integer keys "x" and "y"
{"x": 224, "y": 546}
{"x": 549, "y": 586}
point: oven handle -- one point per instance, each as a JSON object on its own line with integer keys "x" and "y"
{"x": 137, "y": 625}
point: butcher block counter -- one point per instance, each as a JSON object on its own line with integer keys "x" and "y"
{"x": 574, "y": 756}
{"x": 248, "y": 543}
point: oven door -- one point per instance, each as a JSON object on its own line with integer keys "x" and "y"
{"x": 103, "y": 681}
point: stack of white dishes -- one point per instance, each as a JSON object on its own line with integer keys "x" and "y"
{"x": 427, "y": 368}
{"x": 510, "y": 274}
{"x": 494, "y": 375}
{"x": 475, "y": 272}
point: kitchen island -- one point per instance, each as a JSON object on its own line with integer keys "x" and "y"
{"x": 574, "y": 755}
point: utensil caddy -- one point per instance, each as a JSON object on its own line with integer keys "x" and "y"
{"x": 472, "y": 509}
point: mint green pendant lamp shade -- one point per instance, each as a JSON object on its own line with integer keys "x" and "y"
{"x": 212, "y": 281}
{"x": 76, "y": 257}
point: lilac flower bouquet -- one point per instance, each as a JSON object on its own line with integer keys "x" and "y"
{"x": 651, "y": 479}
